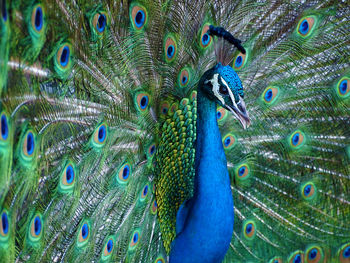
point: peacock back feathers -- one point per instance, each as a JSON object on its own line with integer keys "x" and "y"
{"x": 98, "y": 127}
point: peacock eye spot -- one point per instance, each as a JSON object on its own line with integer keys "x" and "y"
{"x": 153, "y": 148}
{"x": 126, "y": 172}
{"x": 227, "y": 141}
{"x": 307, "y": 190}
{"x": 205, "y": 39}
{"x": 69, "y": 174}
{"x": 85, "y": 231}
{"x": 30, "y": 143}
{"x": 184, "y": 80}
{"x": 249, "y": 228}
{"x": 297, "y": 259}
{"x": 64, "y": 56}
{"x": 4, "y": 10}
{"x": 101, "y": 24}
{"x": 313, "y": 253}
{"x": 343, "y": 86}
{"x": 295, "y": 139}
{"x": 223, "y": 90}
{"x": 346, "y": 253}
{"x": 5, "y": 223}
{"x": 268, "y": 95}
{"x": 140, "y": 18}
{"x": 136, "y": 237}
{"x": 170, "y": 51}
{"x": 38, "y": 18}
{"x": 145, "y": 190}
{"x": 37, "y": 225}
{"x": 4, "y": 127}
{"x": 239, "y": 61}
{"x": 109, "y": 246}
{"x": 304, "y": 27}
{"x": 143, "y": 102}
{"x": 241, "y": 171}
{"x": 218, "y": 114}
{"x": 101, "y": 133}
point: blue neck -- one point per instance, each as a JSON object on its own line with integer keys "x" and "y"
{"x": 208, "y": 226}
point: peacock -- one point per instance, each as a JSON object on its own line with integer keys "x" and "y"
{"x": 175, "y": 131}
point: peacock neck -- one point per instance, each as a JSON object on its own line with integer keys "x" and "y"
{"x": 212, "y": 203}
{"x": 209, "y": 150}
{"x": 208, "y": 226}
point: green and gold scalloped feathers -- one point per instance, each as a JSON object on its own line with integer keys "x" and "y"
{"x": 173, "y": 108}
{"x": 175, "y": 166}
{"x": 108, "y": 248}
{"x": 297, "y": 256}
{"x": 7, "y": 238}
{"x": 99, "y": 136}
{"x": 314, "y": 254}
{"x": 6, "y": 148}
{"x": 63, "y": 59}
{"x": 68, "y": 178}
{"x": 204, "y": 40}
{"x": 342, "y": 88}
{"x": 4, "y": 43}
{"x": 170, "y": 48}
{"x": 138, "y": 16}
{"x": 35, "y": 19}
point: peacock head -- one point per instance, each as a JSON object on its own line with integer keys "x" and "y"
{"x": 222, "y": 84}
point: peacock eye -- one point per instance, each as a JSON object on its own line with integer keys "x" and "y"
{"x": 223, "y": 90}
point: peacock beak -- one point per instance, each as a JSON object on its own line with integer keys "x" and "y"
{"x": 239, "y": 111}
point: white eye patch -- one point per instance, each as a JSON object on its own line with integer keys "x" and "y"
{"x": 215, "y": 83}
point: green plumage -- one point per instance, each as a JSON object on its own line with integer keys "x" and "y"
{"x": 98, "y": 127}
{"x": 175, "y": 162}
